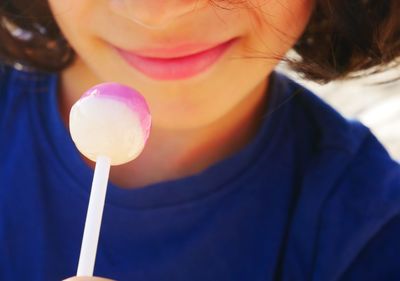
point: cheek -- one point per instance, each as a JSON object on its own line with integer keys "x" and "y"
{"x": 73, "y": 18}
{"x": 280, "y": 20}
{"x": 63, "y": 9}
{"x": 294, "y": 15}
{"x": 71, "y": 14}
{"x": 64, "y": 13}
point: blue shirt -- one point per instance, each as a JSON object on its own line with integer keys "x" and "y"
{"x": 312, "y": 197}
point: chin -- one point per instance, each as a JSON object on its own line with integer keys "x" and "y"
{"x": 182, "y": 122}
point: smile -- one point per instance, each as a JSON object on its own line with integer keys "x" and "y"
{"x": 166, "y": 65}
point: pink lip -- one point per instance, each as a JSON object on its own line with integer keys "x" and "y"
{"x": 171, "y": 64}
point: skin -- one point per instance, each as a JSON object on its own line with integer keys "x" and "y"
{"x": 196, "y": 121}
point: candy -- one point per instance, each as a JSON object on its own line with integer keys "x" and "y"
{"x": 110, "y": 120}
{"x": 110, "y": 125}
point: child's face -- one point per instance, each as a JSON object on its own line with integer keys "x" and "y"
{"x": 264, "y": 28}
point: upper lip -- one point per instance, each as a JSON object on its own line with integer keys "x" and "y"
{"x": 177, "y": 51}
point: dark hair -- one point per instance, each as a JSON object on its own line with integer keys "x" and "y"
{"x": 342, "y": 38}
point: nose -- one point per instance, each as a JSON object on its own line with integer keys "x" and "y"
{"x": 156, "y": 13}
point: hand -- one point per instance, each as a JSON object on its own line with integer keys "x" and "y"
{"x": 85, "y": 278}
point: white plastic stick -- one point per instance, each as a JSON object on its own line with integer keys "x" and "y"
{"x": 93, "y": 218}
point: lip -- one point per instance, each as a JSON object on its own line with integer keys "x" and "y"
{"x": 180, "y": 62}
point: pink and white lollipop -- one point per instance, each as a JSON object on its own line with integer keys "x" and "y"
{"x": 109, "y": 124}
{"x": 110, "y": 120}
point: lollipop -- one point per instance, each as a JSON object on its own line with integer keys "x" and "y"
{"x": 109, "y": 124}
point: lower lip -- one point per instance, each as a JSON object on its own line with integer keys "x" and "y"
{"x": 176, "y": 68}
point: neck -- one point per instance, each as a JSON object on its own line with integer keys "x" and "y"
{"x": 172, "y": 154}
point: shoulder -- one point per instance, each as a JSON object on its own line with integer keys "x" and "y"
{"x": 363, "y": 206}
{"x": 327, "y": 130}
{"x": 15, "y": 88}
{"x": 13, "y": 79}
{"x": 349, "y": 200}
{"x": 378, "y": 259}
{"x": 5, "y": 72}
{"x": 5, "y": 77}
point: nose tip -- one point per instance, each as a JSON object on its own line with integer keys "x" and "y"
{"x": 156, "y": 13}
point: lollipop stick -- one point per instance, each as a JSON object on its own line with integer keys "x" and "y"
{"x": 93, "y": 218}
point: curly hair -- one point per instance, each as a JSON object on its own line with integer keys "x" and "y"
{"x": 342, "y": 38}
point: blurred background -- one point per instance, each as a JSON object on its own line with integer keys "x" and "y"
{"x": 374, "y": 103}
